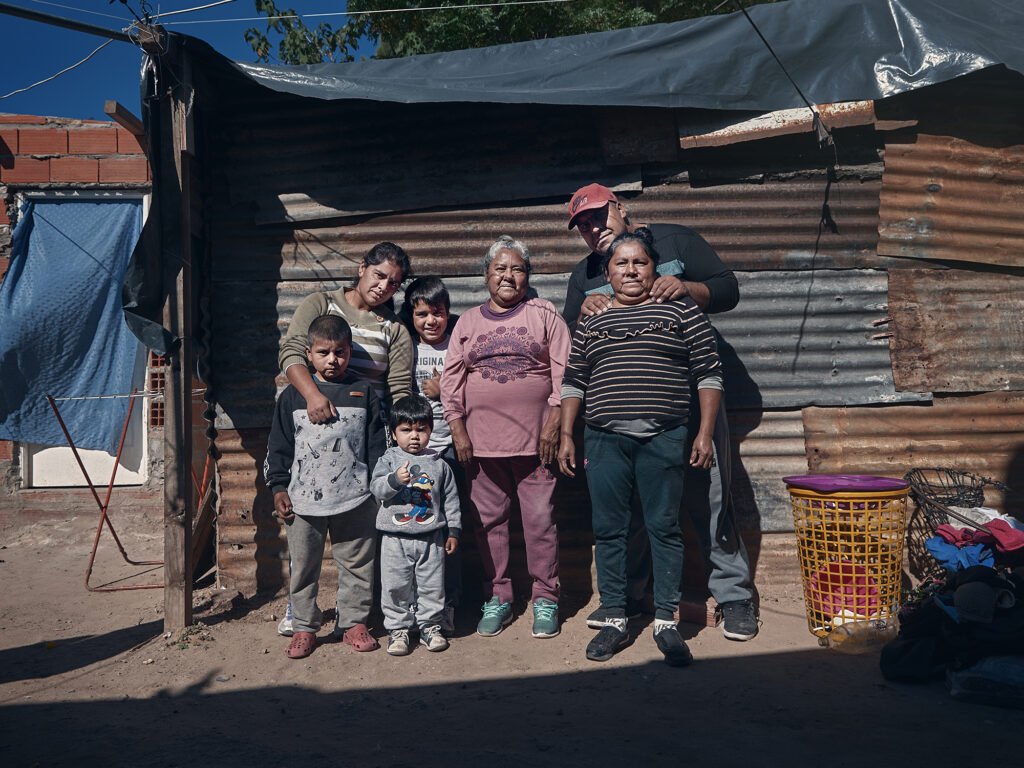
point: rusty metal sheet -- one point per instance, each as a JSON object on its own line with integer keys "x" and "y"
{"x": 360, "y": 158}
{"x": 983, "y": 434}
{"x": 737, "y": 127}
{"x": 767, "y": 446}
{"x": 769, "y": 225}
{"x": 805, "y": 338}
{"x": 947, "y": 198}
{"x": 957, "y": 331}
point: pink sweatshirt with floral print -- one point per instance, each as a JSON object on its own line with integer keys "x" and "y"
{"x": 503, "y": 373}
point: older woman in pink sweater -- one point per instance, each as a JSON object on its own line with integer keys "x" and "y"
{"x": 501, "y": 392}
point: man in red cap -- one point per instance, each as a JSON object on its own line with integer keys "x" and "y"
{"x": 688, "y": 266}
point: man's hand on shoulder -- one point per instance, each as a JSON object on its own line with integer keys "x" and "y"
{"x": 595, "y": 304}
{"x": 669, "y": 288}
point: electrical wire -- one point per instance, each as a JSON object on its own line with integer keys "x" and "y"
{"x": 367, "y": 13}
{"x": 192, "y": 10}
{"x": 79, "y": 10}
{"x": 58, "y": 74}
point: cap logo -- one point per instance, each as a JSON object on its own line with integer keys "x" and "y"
{"x": 579, "y": 201}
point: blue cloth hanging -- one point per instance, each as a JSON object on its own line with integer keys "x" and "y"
{"x": 63, "y": 331}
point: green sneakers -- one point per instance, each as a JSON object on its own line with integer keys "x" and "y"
{"x": 545, "y": 618}
{"x": 497, "y": 616}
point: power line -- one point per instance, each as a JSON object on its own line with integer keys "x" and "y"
{"x": 367, "y": 13}
{"x": 58, "y": 74}
{"x": 80, "y": 10}
{"x": 191, "y": 10}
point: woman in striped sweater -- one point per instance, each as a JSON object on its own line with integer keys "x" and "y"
{"x": 633, "y": 364}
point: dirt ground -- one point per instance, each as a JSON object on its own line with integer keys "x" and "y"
{"x": 91, "y": 679}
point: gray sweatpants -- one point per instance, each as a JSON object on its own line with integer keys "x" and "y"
{"x": 412, "y": 580}
{"x": 353, "y": 545}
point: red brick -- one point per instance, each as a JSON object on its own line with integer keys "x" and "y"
{"x": 128, "y": 144}
{"x": 22, "y": 119}
{"x": 8, "y": 142}
{"x": 42, "y": 141}
{"x": 25, "y": 170}
{"x": 6, "y": 447}
{"x": 123, "y": 169}
{"x": 4, "y": 217}
{"x": 74, "y": 169}
{"x": 92, "y": 141}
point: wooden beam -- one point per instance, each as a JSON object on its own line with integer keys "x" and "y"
{"x": 120, "y": 114}
{"x": 179, "y": 498}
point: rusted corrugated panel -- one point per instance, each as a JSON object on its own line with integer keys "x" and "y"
{"x": 980, "y": 433}
{"x": 804, "y": 338}
{"x": 779, "y": 123}
{"x": 956, "y": 331}
{"x": 249, "y": 547}
{"x": 948, "y": 198}
{"x": 770, "y": 225}
{"x": 767, "y": 446}
{"x": 358, "y": 158}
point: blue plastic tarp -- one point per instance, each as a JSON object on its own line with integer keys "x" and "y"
{"x": 63, "y": 331}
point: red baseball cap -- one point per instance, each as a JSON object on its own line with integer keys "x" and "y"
{"x": 587, "y": 199}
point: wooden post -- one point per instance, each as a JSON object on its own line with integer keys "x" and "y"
{"x": 179, "y": 496}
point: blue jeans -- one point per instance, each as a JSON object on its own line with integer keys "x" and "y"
{"x": 654, "y": 468}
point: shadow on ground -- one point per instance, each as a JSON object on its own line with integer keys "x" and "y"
{"x": 803, "y": 708}
{"x": 48, "y": 658}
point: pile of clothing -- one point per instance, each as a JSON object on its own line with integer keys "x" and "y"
{"x": 967, "y": 625}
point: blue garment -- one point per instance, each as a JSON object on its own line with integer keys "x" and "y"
{"x": 63, "y": 331}
{"x": 954, "y": 558}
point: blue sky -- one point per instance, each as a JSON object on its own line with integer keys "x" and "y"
{"x": 33, "y": 51}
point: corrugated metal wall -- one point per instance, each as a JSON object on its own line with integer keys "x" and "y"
{"x": 956, "y": 330}
{"x": 811, "y": 383}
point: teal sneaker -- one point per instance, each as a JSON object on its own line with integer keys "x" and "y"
{"x": 545, "y": 618}
{"x": 497, "y": 616}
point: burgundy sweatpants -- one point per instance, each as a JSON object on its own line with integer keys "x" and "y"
{"x": 493, "y": 483}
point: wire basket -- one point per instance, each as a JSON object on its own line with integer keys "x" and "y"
{"x": 850, "y": 546}
{"x": 937, "y": 489}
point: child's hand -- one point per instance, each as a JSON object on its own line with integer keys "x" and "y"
{"x": 283, "y": 505}
{"x": 403, "y": 475}
{"x": 431, "y": 388}
{"x": 450, "y": 545}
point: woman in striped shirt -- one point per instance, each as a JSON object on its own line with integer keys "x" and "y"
{"x": 633, "y": 364}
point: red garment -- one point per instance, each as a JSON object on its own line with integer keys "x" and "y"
{"x": 964, "y": 537}
{"x": 1006, "y": 538}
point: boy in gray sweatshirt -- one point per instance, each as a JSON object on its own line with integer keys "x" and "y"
{"x": 420, "y": 521}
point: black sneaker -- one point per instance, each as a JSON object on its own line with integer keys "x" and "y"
{"x": 606, "y": 643}
{"x": 738, "y": 620}
{"x": 671, "y": 644}
{"x": 602, "y": 615}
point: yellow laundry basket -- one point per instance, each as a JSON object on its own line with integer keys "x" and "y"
{"x": 850, "y": 531}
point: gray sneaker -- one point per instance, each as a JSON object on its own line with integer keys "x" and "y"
{"x": 432, "y": 638}
{"x": 497, "y": 616}
{"x": 398, "y": 642}
{"x": 738, "y": 620}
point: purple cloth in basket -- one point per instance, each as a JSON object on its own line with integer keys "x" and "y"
{"x": 839, "y": 483}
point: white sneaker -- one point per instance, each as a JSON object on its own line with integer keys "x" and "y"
{"x": 398, "y": 642}
{"x": 432, "y": 638}
{"x": 284, "y": 626}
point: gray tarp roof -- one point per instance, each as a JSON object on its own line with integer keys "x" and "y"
{"x": 836, "y": 50}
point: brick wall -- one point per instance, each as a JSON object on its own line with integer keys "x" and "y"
{"x": 52, "y": 153}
